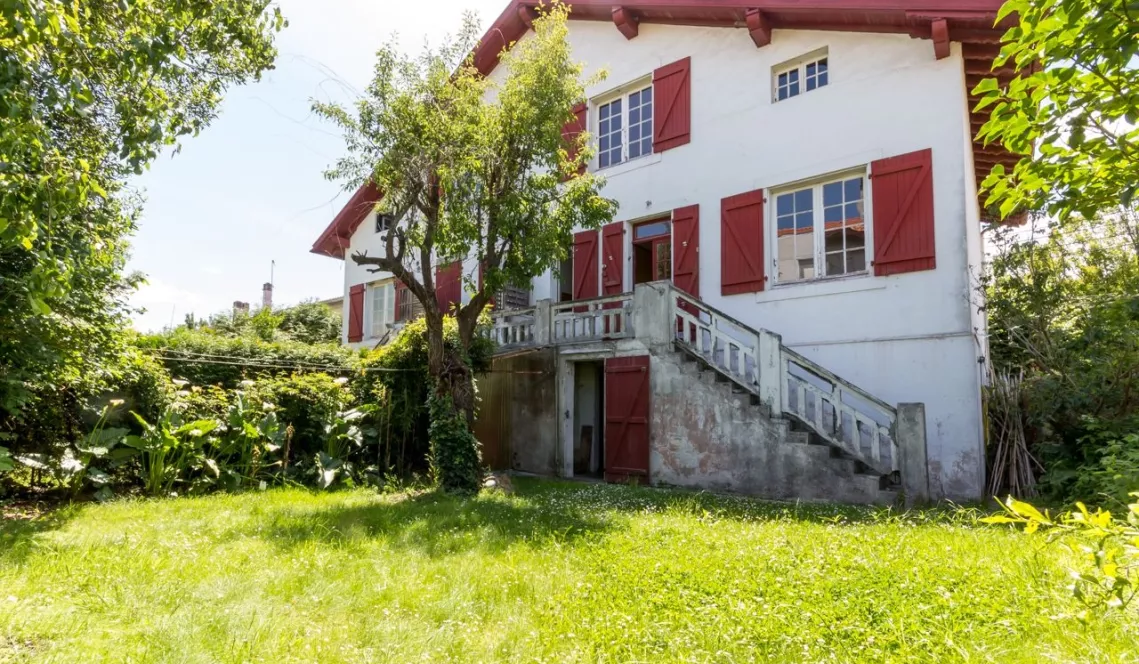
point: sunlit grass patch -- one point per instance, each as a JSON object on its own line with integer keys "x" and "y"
{"x": 556, "y": 572}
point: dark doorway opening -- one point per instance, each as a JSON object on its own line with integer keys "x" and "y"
{"x": 565, "y": 279}
{"x": 588, "y": 419}
{"x": 652, "y": 251}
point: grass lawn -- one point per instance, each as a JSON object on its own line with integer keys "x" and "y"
{"x": 557, "y": 573}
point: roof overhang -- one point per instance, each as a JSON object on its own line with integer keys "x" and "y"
{"x": 970, "y": 22}
{"x": 335, "y": 239}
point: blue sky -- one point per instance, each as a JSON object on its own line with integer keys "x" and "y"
{"x": 249, "y": 189}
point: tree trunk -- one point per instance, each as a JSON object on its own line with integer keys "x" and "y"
{"x": 455, "y": 459}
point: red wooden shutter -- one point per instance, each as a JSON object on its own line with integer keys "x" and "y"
{"x": 627, "y": 418}
{"x": 400, "y": 293}
{"x": 613, "y": 258}
{"x": 572, "y": 130}
{"x": 672, "y": 106}
{"x": 903, "y": 213}
{"x": 686, "y": 249}
{"x": 356, "y": 313}
{"x": 449, "y": 285}
{"x": 584, "y": 265}
{"x": 741, "y": 243}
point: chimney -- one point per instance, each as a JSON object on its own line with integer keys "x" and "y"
{"x": 240, "y": 307}
{"x": 267, "y": 296}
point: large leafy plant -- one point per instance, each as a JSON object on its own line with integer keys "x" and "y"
{"x": 170, "y": 449}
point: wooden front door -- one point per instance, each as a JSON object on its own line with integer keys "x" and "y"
{"x": 627, "y": 419}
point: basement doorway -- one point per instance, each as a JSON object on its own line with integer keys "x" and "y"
{"x": 588, "y": 419}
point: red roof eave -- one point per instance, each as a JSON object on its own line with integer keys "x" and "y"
{"x": 336, "y": 238}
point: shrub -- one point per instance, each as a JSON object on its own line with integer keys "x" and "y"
{"x": 311, "y": 323}
{"x": 1064, "y": 315}
{"x": 395, "y": 378}
{"x": 305, "y": 402}
{"x": 204, "y": 357}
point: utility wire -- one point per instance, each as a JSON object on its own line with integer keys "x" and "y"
{"x": 299, "y": 367}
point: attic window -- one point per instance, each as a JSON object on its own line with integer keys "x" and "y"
{"x": 803, "y": 74}
{"x": 384, "y": 222}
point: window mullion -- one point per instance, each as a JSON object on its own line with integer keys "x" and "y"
{"x": 627, "y": 112}
{"x": 820, "y": 226}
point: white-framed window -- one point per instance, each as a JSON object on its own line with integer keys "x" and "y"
{"x": 625, "y": 126}
{"x": 800, "y": 75}
{"x": 381, "y": 309}
{"x": 821, "y": 229}
{"x": 384, "y": 222}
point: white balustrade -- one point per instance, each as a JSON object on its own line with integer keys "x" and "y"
{"x": 596, "y": 319}
{"x": 841, "y": 413}
{"x": 514, "y": 328}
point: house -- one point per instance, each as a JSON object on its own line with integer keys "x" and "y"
{"x": 786, "y": 304}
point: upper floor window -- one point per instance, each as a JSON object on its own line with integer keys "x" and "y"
{"x": 384, "y": 222}
{"x": 625, "y": 127}
{"x": 821, "y": 229}
{"x": 801, "y": 75}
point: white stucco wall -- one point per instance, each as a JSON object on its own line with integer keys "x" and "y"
{"x": 906, "y": 338}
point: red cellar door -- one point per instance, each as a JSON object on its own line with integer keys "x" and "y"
{"x": 627, "y": 419}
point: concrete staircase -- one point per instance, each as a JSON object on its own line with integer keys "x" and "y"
{"x": 711, "y": 433}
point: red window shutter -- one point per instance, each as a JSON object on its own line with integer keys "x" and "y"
{"x": 903, "y": 213}
{"x": 449, "y": 285}
{"x": 672, "y": 105}
{"x": 573, "y": 129}
{"x": 584, "y": 265}
{"x": 400, "y": 293}
{"x": 613, "y": 258}
{"x": 686, "y": 249}
{"x": 356, "y": 313}
{"x": 741, "y": 243}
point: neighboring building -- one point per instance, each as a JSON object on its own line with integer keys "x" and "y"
{"x": 334, "y": 303}
{"x": 807, "y": 170}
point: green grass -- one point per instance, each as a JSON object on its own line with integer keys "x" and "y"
{"x": 557, "y": 573}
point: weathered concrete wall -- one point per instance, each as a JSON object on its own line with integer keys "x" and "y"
{"x": 517, "y": 422}
{"x": 704, "y": 436}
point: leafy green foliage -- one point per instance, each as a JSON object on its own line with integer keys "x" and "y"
{"x": 204, "y": 357}
{"x": 305, "y": 403}
{"x": 471, "y": 168}
{"x": 1106, "y": 548}
{"x": 1076, "y": 101}
{"x": 396, "y": 378}
{"x": 1064, "y": 314}
{"x": 311, "y": 323}
{"x": 91, "y": 92}
{"x": 169, "y": 449}
{"x": 455, "y": 455}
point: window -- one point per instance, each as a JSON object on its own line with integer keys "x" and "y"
{"x": 625, "y": 127}
{"x": 821, "y": 230}
{"x": 409, "y": 306}
{"x": 512, "y": 297}
{"x": 384, "y": 222}
{"x": 382, "y": 308}
{"x": 801, "y": 75}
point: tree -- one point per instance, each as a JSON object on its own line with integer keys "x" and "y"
{"x": 470, "y": 167}
{"x": 90, "y": 93}
{"x": 1071, "y": 110}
